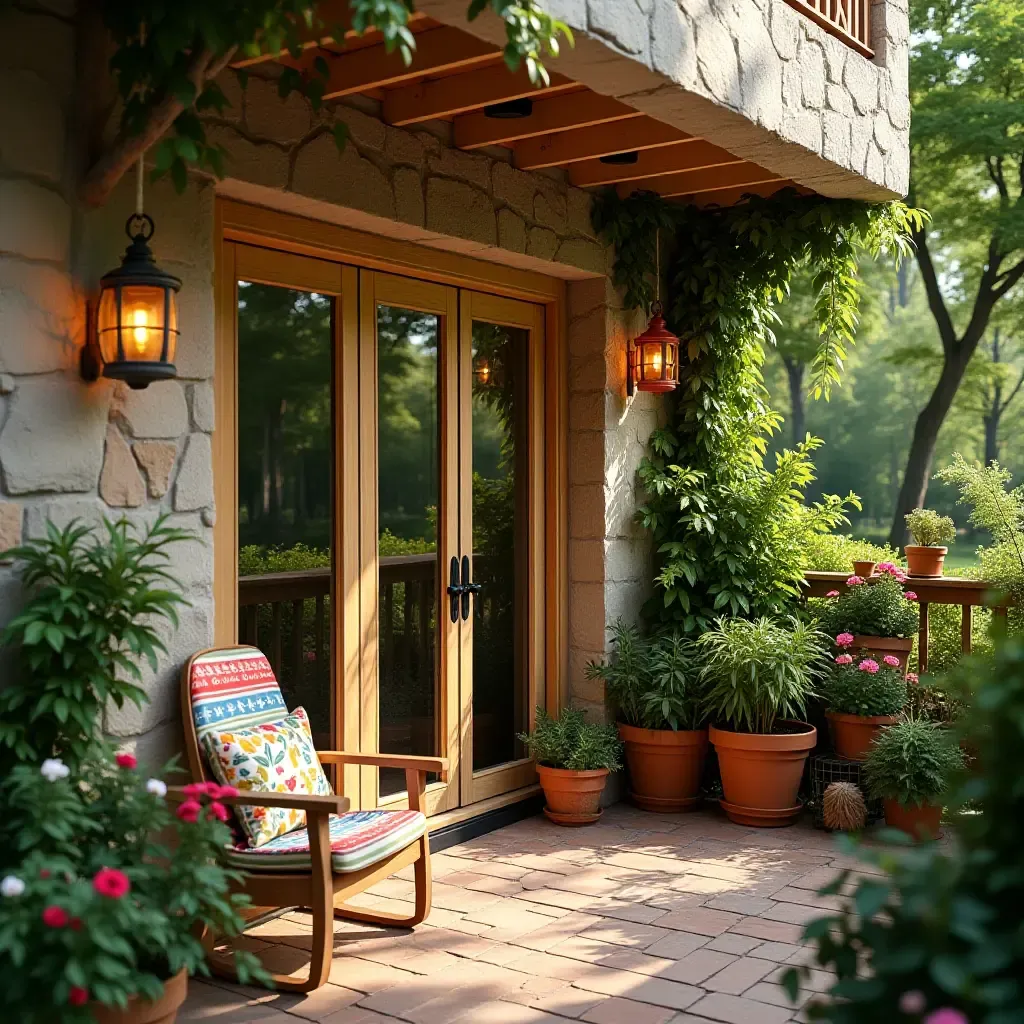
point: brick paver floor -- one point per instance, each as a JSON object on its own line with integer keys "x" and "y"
{"x": 640, "y": 919}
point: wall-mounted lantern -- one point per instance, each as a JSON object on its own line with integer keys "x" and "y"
{"x": 653, "y": 358}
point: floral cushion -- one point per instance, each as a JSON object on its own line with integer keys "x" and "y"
{"x": 276, "y": 757}
{"x": 358, "y": 839}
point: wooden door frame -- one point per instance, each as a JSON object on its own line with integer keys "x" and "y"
{"x": 280, "y": 234}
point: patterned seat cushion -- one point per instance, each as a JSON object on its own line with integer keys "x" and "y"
{"x": 358, "y": 839}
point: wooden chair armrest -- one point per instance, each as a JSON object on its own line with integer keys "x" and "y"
{"x": 409, "y": 763}
{"x": 294, "y": 801}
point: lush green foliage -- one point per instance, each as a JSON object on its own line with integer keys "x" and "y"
{"x": 64, "y": 932}
{"x": 912, "y": 762}
{"x": 570, "y": 741}
{"x": 872, "y": 608}
{"x": 850, "y": 690}
{"x": 652, "y": 682}
{"x": 759, "y": 672}
{"x": 929, "y": 529}
{"x": 836, "y": 552}
{"x": 95, "y": 603}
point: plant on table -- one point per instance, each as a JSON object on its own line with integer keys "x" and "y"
{"x": 109, "y": 889}
{"x": 862, "y": 696}
{"x": 931, "y": 533}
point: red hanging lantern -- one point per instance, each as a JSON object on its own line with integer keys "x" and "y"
{"x": 654, "y": 357}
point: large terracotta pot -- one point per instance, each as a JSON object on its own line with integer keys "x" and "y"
{"x": 573, "y": 798}
{"x": 878, "y": 647}
{"x": 761, "y": 773}
{"x": 852, "y": 735}
{"x": 863, "y": 569}
{"x": 142, "y": 1011}
{"x": 665, "y": 766}
{"x": 924, "y": 561}
{"x": 918, "y": 820}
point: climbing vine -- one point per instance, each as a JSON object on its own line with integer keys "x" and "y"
{"x": 730, "y": 532}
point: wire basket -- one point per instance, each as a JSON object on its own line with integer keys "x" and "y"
{"x": 824, "y": 771}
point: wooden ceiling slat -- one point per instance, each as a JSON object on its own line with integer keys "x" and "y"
{"x": 731, "y": 196}
{"x": 570, "y": 146}
{"x": 688, "y": 183}
{"x": 681, "y": 156}
{"x": 456, "y": 94}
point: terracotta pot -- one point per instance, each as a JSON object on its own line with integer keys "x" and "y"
{"x": 918, "y": 820}
{"x": 924, "y": 561}
{"x": 142, "y": 1011}
{"x": 665, "y": 766}
{"x": 852, "y": 735}
{"x": 573, "y": 798}
{"x": 877, "y": 647}
{"x": 864, "y": 569}
{"x": 761, "y": 774}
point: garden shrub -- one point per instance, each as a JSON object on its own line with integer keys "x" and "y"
{"x": 878, "y": 608}
{"x": 836, "y": 552}
{"x": 570, "y": 741}
{"x": 853, "y": 688}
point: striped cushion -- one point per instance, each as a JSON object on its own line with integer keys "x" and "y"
{"x": 358, "y": 839}
{"x": 236, "y": 685}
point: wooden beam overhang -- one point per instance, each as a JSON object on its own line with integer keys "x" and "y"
{"x": 594, "y": 142}
{"x": 681, "y": 156}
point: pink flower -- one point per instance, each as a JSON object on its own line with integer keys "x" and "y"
{"x": 947, "y": 1015}
{"x": 78, "y": 996}
{"x": 868, "y": 665}
{"x": 845, "y": 639}
{"x": 189, "y": 811}
{"x": 111, "y": 883}
{"x": 225, "y": 791}
{"x": 75, "y": 924}
{"x": 891, "y": 570}
{"x": 219, "y": 811}
{"x": 891, "y": 661}
{"x": 912, "y": 678}
{"x": 855, "y": 581}
{"x": 832, "y": 593}
{"x": 844, "y": 659}
{"x": 194, "y": 789}
{"x": 910, "y": 595}
{"x": 55, "y": 917}
{"x": 126, "y": 761}
{"x": 913, "y": 1002}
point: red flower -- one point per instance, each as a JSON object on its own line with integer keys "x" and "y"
{"x": 44, "y": 874}
{"x": 111, "y": 883}
{"x": 189, "y": 811}
{"x": 227, "y": 791}
{"x": 78, "y": 996}
{"x": 55, "y": 917}
{"x": 290, "y": 783}
{"x": 126, "y": 761}
{"x": 194, "y": 789}
{"x": 75, "y": 924}
{"x": 219, "y": 811}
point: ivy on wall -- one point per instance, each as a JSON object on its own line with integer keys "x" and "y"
{"x": 730, "y": 532}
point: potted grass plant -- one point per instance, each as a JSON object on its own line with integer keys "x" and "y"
{"x": 573, "y": 759}
{"x": 862, "y": 698}
{"x": 908, "y": 769}
{"x": 654, "y": 685}
{"x": 931, "y": 533}
{"x": 759, "y": 676}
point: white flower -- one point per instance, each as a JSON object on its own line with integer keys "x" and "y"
{"x": 53, "y": 769}
{"x": 156, "y": 787}
{"x": 12, "y": 886}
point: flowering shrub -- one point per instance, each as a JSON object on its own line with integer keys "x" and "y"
{"x": 110, "y": 888}
{"x": 878, "y": 607}
{"x": 864, "y": 687}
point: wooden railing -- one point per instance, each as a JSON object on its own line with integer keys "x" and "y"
{"x": 953, "y": 590}
{"x": 848, "y": 20}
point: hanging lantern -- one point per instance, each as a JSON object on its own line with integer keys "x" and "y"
{"x": 654, "y": 357}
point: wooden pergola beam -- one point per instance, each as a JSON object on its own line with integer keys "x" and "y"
{"x": 691, "y": 155}
{"x": 689, "y": 183}
{"x": 594, "y": 141}
{"x": 731, "y": 196}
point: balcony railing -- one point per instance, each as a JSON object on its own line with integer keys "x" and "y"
{"x": 848, "y": 20}
{"x": 968, "y": 594}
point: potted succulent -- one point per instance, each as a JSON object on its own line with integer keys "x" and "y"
{"x": 931, "y": 533}
{"x": 875, "y": 617}
{"x": 907, "y": 769}
{"x": 759, "y": 676}
{"x": 109, "y": 891}
{"x": 862, "y": 697}
{"x": 573, "y": 759}
{"x": 654, "y": 686}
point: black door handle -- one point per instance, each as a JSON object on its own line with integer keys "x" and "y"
{"x": 468, "y": 588}
{"x": 454, "y": 589}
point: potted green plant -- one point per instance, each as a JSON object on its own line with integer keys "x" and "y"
{"x": 908, "y": 768}
{"x": 759, "y": 675}
{"x": 109, "y": 892}
{"x": 875, "y": 617}
{"x": 573, "y": 759}
{"x": 931, "y": 533}
{"x": 862, "y": 698}
{"x": 654, "y": 686}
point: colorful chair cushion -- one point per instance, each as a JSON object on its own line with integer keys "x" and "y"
{"x": 358, "y": 839}
{"x": 234, "y": 685}
{"x": 274, "y": 757}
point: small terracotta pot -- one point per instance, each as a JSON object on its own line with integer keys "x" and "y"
{"x": 852, "y": 735}
{"x": 924, "y": 561}
{"x": 864, "y": 569}
{"x": 573, "y": 798}
{"x": 665, "y": 766}
{"x": 918, "y": 820}
{"x": 142, "y": 1011}
{"x": 761, "y": 774}
{"x": 877, "y": 647}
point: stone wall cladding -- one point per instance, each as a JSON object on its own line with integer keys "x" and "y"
{"x": 753, "y": 76}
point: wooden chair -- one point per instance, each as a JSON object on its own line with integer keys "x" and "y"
{"x": 235, "y": 686}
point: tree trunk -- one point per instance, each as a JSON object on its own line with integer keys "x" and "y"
{"x": 797, "y": 418}
{"x": 995, "y": 410}
{"x": 903, "y": 282}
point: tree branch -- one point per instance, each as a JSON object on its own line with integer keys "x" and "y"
{"x": 1008, "y": 279}
{"x": 947, "y": 333}
{"x": 1013, "y": 394}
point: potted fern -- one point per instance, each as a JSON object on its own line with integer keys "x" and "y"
{"x": 655, "y": 688}
{"x": 759, "y": 676}
{"x": 862, "y": 697}
{"x": 931, "y": 533}
{"x": 573, "y": 759}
